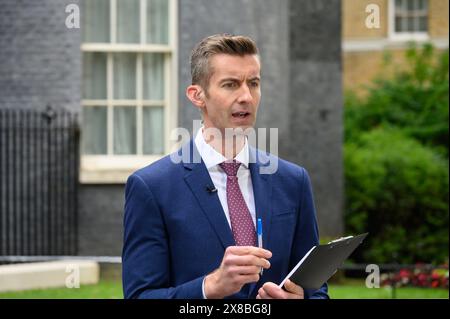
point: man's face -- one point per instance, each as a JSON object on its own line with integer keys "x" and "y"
{"x": 233, "y": 93}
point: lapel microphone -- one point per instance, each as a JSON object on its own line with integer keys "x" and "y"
{"x": 211, "y": 189}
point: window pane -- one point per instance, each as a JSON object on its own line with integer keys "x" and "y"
{"x": 96, "y": 21}
{"x": 423, "y": 24}
{"x": 404, "y": 23}
{"x": 411, "y": 22}
{"x": 128, "y": 21}
{"x": 158, "y": 21}
{"x": 398, "y": 5}
{"x": 124, "y": 75}
{"x": 398, "y": 25}
{"x": 94, "y": 75}
{"x": 423, "y": 5}
{"x": 94, "y": 130}
{"x": 153, "y": 65}
{"x": 153, "y": 123}
{"x": 124, "y": 130}
{"x": 410, "y": 5}
{"x": 405, "y": 7}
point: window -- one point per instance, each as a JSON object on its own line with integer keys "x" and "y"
{"x": 409, "y": 19}
{"x": 127, "y": 85}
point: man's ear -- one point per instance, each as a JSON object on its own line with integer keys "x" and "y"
{"x": 196, "y": 95}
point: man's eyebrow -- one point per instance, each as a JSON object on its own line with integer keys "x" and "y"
{"x": 237, "y": 79}
{"x": 229, "y": 79}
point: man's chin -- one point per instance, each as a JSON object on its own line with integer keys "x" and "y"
{"x": 240, "y": 129}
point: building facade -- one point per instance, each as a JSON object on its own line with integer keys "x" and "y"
{"x": 370, "y": 28}
{"x": 124, "y": 72}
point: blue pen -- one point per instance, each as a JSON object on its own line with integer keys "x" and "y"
{"x": 259, "y": 233}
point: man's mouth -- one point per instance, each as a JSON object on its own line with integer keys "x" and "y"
{"x": 240, "y": 114}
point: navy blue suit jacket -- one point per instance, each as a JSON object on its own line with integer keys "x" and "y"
{"x": 176, "y": 232}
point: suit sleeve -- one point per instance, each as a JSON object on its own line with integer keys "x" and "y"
{"x": 307, "y": 233}
{"x": 146, "y": 252}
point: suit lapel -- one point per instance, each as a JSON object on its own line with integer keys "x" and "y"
{"x": 197, "y": 178}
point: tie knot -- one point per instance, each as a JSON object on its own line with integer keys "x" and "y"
{"x": 230, "y": 168}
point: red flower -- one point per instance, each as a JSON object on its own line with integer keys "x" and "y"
{"x": 404, "y": 273}
{"x": 420, "y": 276}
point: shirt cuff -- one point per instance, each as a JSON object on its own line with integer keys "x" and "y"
{"x": 203, "y": 288}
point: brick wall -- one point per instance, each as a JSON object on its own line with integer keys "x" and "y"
{"x": 354, "y": 19}
{"x": 360, "y": 67}
{"x": 438, "y": 23}
{"x": 40, "y": 57}
{"x": 40, "y": 66}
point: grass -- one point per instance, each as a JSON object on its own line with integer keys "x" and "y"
{"x": 103, "y": 290}
{"x": 113, "y": 290}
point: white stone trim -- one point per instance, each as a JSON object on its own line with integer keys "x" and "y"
{"x": 104, "y": 169}
{"x": 359, "y": 45}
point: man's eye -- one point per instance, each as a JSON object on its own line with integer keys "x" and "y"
{"x": 229, "y": 85}
{"x": 254, "y": 84}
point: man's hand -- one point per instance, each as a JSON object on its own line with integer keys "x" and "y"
{"x": 240, "y": 265}
{"x": 271, "y": 291}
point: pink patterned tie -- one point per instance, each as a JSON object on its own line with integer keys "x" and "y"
{"x": 241, "y": 220}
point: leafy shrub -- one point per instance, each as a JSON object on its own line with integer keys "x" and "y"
{"x": 414, "y": 100}
{"x": 397, "y": 189}
{"x": 396, "y": 162}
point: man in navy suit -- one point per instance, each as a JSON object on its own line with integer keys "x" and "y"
{"x": 189, "y": 226}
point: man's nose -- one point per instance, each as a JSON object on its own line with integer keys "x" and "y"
{"x": 245, "y": 96}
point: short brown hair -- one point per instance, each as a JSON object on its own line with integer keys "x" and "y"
{"x": 217, "y": 44}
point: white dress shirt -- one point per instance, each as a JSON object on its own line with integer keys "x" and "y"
{"x": 212, "y": 159}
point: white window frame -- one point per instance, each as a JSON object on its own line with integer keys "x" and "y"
{"x": 107, "y": 169}
{"x": 403, "y": 36}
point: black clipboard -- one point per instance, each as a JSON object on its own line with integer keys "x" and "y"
{"x": 322, "y": 261}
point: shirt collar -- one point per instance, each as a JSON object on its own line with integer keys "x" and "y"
{"x": 212, "y": 158}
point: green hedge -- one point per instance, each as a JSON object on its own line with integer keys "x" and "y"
{"x": 397, "y": 190}
{"x": 396, "y": 163}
